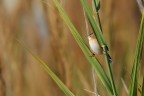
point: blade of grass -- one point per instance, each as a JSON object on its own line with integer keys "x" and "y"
{"x": 98, "y": 33}
{"x": 49, "y": 71}
{"x": 85, "y": 49}
{"x": 137, "y": 61}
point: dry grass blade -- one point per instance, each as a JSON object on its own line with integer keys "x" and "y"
{"x": 125, "y": 86}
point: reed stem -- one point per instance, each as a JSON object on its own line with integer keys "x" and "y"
{"x": 105, "y": 49}
{"x": 110, "y": 70}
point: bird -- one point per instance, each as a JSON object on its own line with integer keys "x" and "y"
{"x": 95, "y": 46}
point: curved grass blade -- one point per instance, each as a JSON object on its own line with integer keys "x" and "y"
{"x": 93, "y": 61}
{"x": 137, "y": 61}
{"x": 49, "y": 71}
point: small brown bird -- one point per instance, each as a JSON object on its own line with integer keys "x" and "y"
{"x": 94, "y": 45}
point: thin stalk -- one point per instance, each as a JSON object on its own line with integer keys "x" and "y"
{"x": 125, "y": 86}
{"x": 107, "y": 57}
{"x": 97, "y": 13}
{"x": 99, "y": 21}
{"x": 110, "y": 70}
{"x": 94, "y": 81}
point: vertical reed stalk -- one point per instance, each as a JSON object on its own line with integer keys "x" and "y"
{"x": 110, "y": 71}
{"x": 105, "y": 49}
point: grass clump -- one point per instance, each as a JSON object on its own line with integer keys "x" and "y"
{"x": 108, "y": 81}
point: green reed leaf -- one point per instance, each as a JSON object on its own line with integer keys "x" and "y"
{"x": 137, "y": 61}
{"x": 50, "y": 72}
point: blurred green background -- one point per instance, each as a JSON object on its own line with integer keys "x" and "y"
{"x": 38, "y": 24}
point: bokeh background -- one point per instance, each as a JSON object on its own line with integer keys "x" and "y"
{"x": 38, "y": 24}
